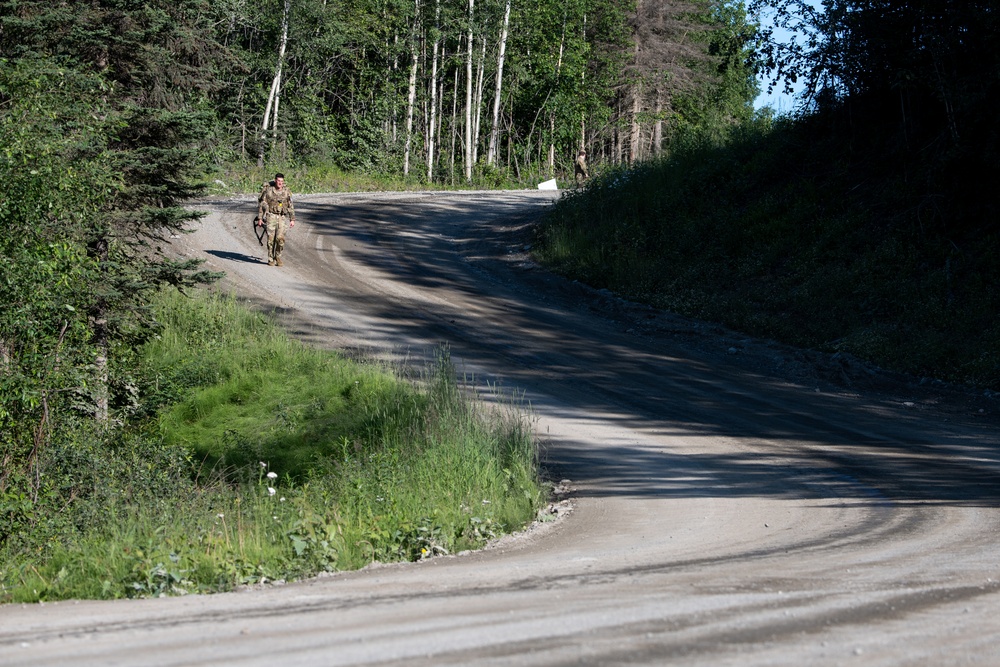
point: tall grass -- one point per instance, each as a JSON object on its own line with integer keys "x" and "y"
{"x": 789, "y": 231}
{"x": 262, "y": 460}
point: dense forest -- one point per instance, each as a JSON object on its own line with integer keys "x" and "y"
{"x": 436, "y": 89}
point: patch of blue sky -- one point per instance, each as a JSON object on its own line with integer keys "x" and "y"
{"x": 783, "y": 103}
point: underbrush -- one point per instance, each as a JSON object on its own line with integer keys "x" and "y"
{"x": 793, "y": 232}
{"x": 324, "y": 177}
{"x": 257, "y": 459}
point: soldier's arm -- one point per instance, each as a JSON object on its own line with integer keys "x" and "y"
{"x": 262, "y": 203}
{"x": 291, "y": 208}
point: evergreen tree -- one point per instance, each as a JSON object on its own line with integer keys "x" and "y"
{"x": 101, "y": 144}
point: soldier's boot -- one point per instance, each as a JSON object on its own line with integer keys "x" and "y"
{"x": 270, "y": 262}
{"x": 278, "y": 262}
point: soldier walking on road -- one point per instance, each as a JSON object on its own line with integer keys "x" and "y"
{"x": 273, "y": 209}
{"x": 580, "y": 167}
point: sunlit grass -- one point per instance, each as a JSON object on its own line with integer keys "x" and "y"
{"x": 277, "y": 461}
{"x": 320, "y": 177}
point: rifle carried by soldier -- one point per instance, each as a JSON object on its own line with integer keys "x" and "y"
{"x": 259, "y": 224}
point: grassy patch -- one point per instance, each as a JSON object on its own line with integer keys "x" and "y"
{"x": 324, "y": 177}
{"x": 259, "y": 460}
{"x": 790, "y": 231}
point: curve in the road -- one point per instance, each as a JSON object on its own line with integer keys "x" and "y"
{"x": 725, "y": 514}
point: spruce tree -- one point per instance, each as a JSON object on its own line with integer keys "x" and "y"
{"x": 100, "y": 108}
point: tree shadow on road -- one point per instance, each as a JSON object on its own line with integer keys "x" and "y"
{"x": 554, "y": 337}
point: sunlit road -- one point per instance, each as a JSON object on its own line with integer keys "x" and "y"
{"x": 722, "y": 515}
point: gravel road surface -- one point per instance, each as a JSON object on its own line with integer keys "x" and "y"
{"x": 734, "y": 501}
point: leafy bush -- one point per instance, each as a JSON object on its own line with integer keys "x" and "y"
{"x": 259, "y": 460}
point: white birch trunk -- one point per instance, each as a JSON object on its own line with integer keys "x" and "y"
{"x": 583, "y": 86}
{"x": 395, "y": 67}
{"x": 491, "y": 152}
{"x": 552, "y": 116}
{"x": 273, "y": 95}
{"x": 658, "y": 127}
{"x": 479, "y": 103}
{"x": 441, "y": 87}
{"x": 277, "y": 101}
{"x": 468, "y": 98}
{"x": 636, "y": 103}
{"x": 634, "y": 140}
{"x": 431, "y": 136}
{"x": 412, "y": 92}
{"x": 454, "y": 122}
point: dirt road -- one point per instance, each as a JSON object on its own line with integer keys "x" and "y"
{"x": 735, "y": 502}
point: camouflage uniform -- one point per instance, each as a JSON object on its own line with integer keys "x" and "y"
{"x": 580, "y": 168}
{"x": 274, "y": 210}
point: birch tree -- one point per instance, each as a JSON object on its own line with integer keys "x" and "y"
{"x": 369, "y": 97}
{"x": 552, "y": 114}
{"x": 274, "y": 96}
{"x": 431, "y": 137}
{"x": 412, "y": 88}
{"x": 478, "y": 102}
{"x": 491, "y": 153}
{"x": 468, "y": 95}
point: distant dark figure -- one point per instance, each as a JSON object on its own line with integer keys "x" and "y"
{"x": 580, "y": 168}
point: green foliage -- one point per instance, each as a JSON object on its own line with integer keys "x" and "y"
{"x": 345, "y": 82}
{"x": 938, "y": 52}
{"x": 344, "y": 77}
{"x": 97, "y": 153}
{"x": 362, "y": 466}
{"x": 156, "y": 54}
{"x": 784, "y": 231}
{"x": 46, "y": 126}
{"x": 325, "y": 177}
